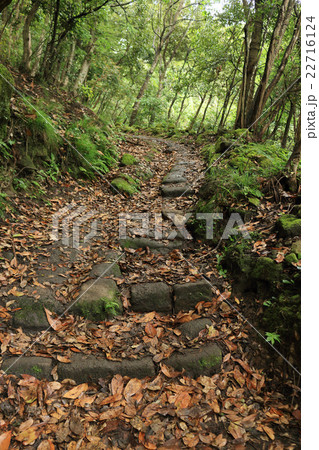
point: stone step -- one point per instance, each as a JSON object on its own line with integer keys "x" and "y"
{"x": 162, "y": 298}
{"x": 204, "y": 360}
{"x": 174, "y": 178}
{"x": 154, "y": 245}
{"x": 179, "y": 190}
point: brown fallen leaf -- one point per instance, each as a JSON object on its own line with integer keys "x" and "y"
{"x": 76, "y": 391}
{"x": 150, "y": 330}
{"x": 133, "y": 387}
{"x": 5, "y": 440}
{"x": 168, "y": 371}
{"x": 269, "y": 432}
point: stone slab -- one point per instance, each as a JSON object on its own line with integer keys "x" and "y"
{"x": 187, "y": 295}
{"x": 98, "y": 300}
{"x": 174, "y": 191}
{"x": 155, "y": 245}
{"x": 90, "y": 368}
{"x": 194, "y": 327}
{"x": 205, "y": 360}
{"x": 106, "y": 270}
{"x": 174, "y": 178}
{"x": 36, "y": 366}
{"x": 146, "y": 297}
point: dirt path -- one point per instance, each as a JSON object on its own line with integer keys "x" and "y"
{"x": 165, "y": 362}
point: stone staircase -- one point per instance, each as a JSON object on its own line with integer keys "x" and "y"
{"x": 99, "y": 299}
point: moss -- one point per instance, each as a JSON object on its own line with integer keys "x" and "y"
{"x": 124, "y": 186}
{"x": 128, "y": 160}
{"x": 210, "y": 361}
{"x": 254, "y": 201}
{"x": 144, "y": 174}
{"x": 296, "y": 248}
{"x": 291, "y": 258}
{"x": 103, "y": 308}
{"x": 5, "y": 96}
{"x": 288, "y": 226}
{"x": 222, "y": 144}
{"x": 130, "y": 179}
{"x": 36, "y": 370}
{"x": 266, "y": 269}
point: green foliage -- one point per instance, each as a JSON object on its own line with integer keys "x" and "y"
{"x": 272, "y": 337}
{"x": 93, "y": 148}
{"x": 128, "y": 159}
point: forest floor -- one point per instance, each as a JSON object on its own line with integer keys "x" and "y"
{"x": 250, "y": 403}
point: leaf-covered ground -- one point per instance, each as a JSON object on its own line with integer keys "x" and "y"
{"x": 243, "y": 406}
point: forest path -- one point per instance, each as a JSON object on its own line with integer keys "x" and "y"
{"x": 177, "y": 356}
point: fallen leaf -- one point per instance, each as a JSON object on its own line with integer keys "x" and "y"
{"x": 76, "y": 391}
{"x": 5, "y": 440}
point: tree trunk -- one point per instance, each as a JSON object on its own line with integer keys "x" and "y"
{"x": 287, "y": 127}
{"x": 205, "y": 112}
{"x": 4, "y": 4}
{"x": 85, "y": 66}
{"x": 163, "y": 38}
{"x": 67, "y": 68}
{"x": 190, "y": 127}
{"x": 27, "y": 47}
{"x": 262, "y": 95}
{"x": 38, "y": 53}
{"x": 294, "y": 160}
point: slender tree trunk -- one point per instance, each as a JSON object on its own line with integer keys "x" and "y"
{"x": 68, "y": 66}
{"x": 287, "y": 127}
{"x": 85, "y": 66}
{"x": 294, "y": 160}
{"x": 48, "y": 57}
{"x": 190, "y": 127}
{"x": 210, "y": 98}
{"x": 261, "y": 96}
{"x": 143, "y": 88}
{"x": 165, "y": 35}
{"x": 27, "y": 45}
{"x": 182, "y": 106}
{"x": 38, "y": 53}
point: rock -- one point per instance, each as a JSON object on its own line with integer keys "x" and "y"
{"x": 222, "y": 144}
{"x": 187, "y": 295}
{"x": 157, "y": 246}
{"x": 122, "y": 185}
{"x": 85, "y": 368}
{"x": 291, "y": 258}
{"x": 31, "y": 315}
{"x": 128, "y": 160}
{"x": 205, "y": 360}
{"x": 192, "y": 329}
{"x": 174, "y": 178}
{"x": 5, "y": 96}
{"x": 180, "y": 190}
{"x": 176, "y": 212}
{"x": 106, "y": 270}
{"x": 51, "y": 276}
{"x": 144, "y": 173}
{"x": 148, "y": 297}
{"x": 98, "y": 300}
{"x": 296, "y": 248}
{"x": 266, "y": 269}
{"x": 288, "y": 226}
{"x": 32, "y": 365}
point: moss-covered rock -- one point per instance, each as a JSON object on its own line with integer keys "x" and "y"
{"x": 5, "y": 96}
{"x": 124, "y": 186}
{"x": 222, "y": 144}
{"x": 296, "y": 248}
{"x": 130, "y": 179}
{"x": 128, "y": 160}
{"x": 288, "y": 226}
{"x": 291, "y": 258}
{"x": 98, "y": 300}
{"x": 144, "y": 174}
{"x": 266, "y": 269}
